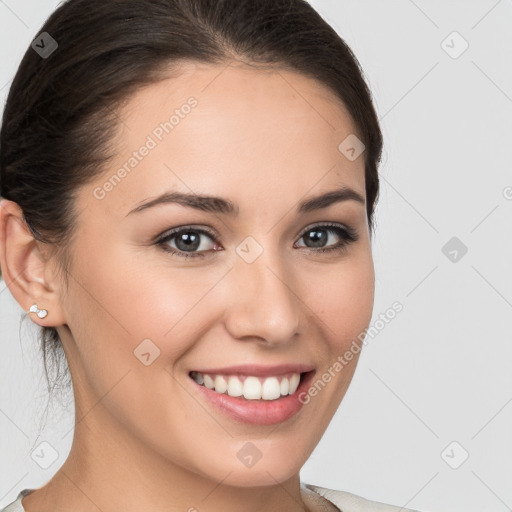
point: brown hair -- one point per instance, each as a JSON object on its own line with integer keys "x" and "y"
{"x": 60, "y": 114}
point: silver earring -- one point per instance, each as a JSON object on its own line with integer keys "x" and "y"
{"x": 41, "y": 313}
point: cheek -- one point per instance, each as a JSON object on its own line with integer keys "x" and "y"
{"x": 343, "y": 299}
{"x": 341, "y": 309}
{"x": 133, "y": 326}
{"x": 131, "y": 301}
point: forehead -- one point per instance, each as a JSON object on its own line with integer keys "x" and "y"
{"x": 231, "y": 129}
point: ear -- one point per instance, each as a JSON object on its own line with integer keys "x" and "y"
{"x": 31, "y": 278}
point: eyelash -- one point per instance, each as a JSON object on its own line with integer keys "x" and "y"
{"x": 347, "y": 234}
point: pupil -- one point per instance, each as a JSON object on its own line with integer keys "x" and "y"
{"x": 191, "y": 241}
{"x": 317, "y": 237}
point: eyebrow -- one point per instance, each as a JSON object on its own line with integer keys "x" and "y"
{"x": 224, "y": 206}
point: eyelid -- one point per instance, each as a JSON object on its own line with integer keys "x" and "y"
{"x": 192, "y": 227}
{"x": 326, "y": 224}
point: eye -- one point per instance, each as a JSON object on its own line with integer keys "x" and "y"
{"x": 318, "y": 236}
{"x": 187, "y": 239}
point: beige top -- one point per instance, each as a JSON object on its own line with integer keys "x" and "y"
{"x": 345, "y": 501}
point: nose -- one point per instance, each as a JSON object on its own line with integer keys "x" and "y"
{"x": 263, "y": 304}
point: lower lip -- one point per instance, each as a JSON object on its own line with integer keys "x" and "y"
{"x": 257, "y": 412}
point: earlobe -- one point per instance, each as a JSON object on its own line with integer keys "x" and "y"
{"x": 23, "y": 266}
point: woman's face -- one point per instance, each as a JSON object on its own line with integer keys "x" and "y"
{"x": 255, "y": 290}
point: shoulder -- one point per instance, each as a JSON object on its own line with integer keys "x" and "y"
{"x": 16, "y": 505}
{"x": 349, "y": 502}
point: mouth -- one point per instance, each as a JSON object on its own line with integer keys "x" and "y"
{"x": 255, "y": 399}
{"x": 250, "y": 387}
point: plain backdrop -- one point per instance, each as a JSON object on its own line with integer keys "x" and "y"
{"x": 427, "y": 420}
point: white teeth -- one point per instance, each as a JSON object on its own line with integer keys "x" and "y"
{"x": 271, "y": 389}
{"x": 294, "y": 383}
{"x": 285, "y": 386}
{"x": 220, "y": 384}
{"x": 208, "y": 382}
{"x": 235, "y": 387}
{"x": 252, "y": 388}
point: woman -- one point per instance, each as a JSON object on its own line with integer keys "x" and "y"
{"x": 188, "y": 193}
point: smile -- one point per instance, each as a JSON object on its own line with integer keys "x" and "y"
{"x": 249, "y": 386}
{"x": 254, "y": 399}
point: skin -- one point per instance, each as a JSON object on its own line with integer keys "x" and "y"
{"x": 143, "y": 439}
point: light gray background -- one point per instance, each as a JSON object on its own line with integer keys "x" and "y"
{"x": 440, "y": 371}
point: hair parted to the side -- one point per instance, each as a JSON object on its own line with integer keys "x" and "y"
{"x": 60, "y": 118}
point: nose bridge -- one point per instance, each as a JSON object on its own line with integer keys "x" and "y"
{"x": 265, "y": 304}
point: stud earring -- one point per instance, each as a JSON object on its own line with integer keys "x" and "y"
{"x": 41, "y": 313}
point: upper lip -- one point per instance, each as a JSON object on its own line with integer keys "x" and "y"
{"x": 258, "y": 370}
